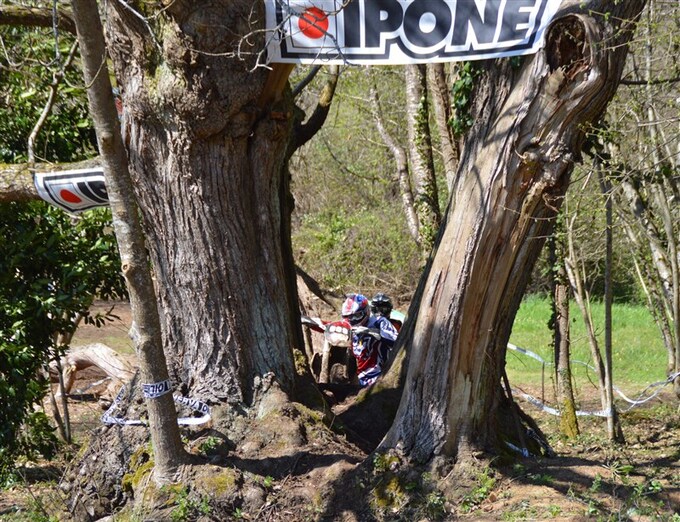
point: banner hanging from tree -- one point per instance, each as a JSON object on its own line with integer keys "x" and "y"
{"x": 73, "y": 190}
{"x": 403, "y": 31}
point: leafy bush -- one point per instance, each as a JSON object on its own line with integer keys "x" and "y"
{"x": 367, "y": 251}
{"x": 51, "y": 269}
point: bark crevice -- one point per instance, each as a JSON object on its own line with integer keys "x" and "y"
{"x": 567, "y": 45}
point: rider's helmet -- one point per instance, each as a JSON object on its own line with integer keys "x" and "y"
{"x": 381, "y": 305}
{"x": 355, "y": 309}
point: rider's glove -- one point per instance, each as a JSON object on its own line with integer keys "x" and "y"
{"x": 363, "y": 330}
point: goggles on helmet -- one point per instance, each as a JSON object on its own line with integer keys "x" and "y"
{"x": 356, "y": 318}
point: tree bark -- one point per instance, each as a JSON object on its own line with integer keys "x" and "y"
{"x": 514, "y": 171}
{"x": 16, "y": 184}
{"x": 565, "y": 392}
{"x": 207, "y": 163}
{"x": 36, "y": 17}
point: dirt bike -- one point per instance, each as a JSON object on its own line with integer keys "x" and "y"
{"x": 335, "y": 363}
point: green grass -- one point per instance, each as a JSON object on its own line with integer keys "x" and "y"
{"x": 639, "y": 357}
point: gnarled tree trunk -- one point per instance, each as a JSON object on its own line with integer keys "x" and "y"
{"x": 515, "y": 168}
{"x": 207, "y": 165}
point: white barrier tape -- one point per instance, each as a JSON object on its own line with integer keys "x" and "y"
{"x": 617, "y": 390}
{"x": 553, "y": 411}
{"x": 659, "y": 384}
{"x": 528, "y": 352}
{"x": 82, "y": 391}
{"x": 522, "y": 451}
{"x": 156, "y": 389}
{"x": 193, "y": 421}
{"x": 535, "y": 402}
{"x": 107, "y": 418}
{"x": 194, "y": 404}
{"x": 601, "y": 413}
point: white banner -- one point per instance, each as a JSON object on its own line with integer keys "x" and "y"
{"x": 404, "y": 31}
{"x": 73, "y": 190}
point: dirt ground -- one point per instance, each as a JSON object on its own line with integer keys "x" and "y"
{"x": 588, "y": 479}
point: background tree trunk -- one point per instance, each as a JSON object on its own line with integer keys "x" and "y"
{"x": 438, "y": 83}
{"x": 515, "y": 169}
{"x": 401, "y": 163}
{"x": 562, "y": 339}
{"x": 420, "y": 153}
{"x": 576, "y": 273}
{"x": 614, "y": 430}
{"x": 644, "y": 173}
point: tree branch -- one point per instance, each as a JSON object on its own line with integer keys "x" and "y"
{"x": 305, "y": 132}
{"x": 660, "y": 81}
{"x": 16, "y": 15}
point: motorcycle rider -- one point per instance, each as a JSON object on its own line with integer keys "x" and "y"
{"x": 381, "y": 304}
{"x": 373, "y": 337}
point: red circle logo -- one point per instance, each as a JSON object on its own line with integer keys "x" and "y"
{"x": 313, "y": 23}
{"x": 69, "y": 196}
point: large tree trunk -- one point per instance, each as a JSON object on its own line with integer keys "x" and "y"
{"x": 207, "y": 165}
{"x": 206, "y": 152}
{"x": 514, "y": 171}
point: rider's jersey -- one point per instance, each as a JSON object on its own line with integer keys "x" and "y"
{"x": 371, "y": 353}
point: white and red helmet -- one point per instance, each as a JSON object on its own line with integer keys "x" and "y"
{"x": 355, "y": 309}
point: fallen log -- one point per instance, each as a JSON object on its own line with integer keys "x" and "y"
{"x": 115, "y": 365}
